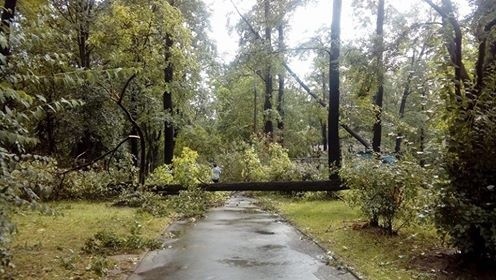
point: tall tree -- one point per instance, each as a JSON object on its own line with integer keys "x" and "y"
{"x": 268, "y": 125}
{"x": 467, "y": 206}
{"x": 378, "y": 99}
{"x": 334, "y": 149}
{"x": 281, "y": 83}
{"x": 167, "y": 102}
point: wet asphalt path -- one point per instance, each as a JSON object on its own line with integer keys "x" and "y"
{"x": 237, "y": 242}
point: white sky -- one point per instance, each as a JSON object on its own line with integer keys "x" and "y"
{"x": 304, "y": 22}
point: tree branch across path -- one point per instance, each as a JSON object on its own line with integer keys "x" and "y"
{"x": 329, "y": 185}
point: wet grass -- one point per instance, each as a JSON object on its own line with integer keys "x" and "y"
{"x": 370, "y": 252}
{"x": 49, "y": 247}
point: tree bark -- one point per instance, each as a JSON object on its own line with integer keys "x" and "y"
{"x": 167, "y": 103}
{"x": 255, "y": 108}
{"x": 84, "y": 8}
{"x": 331, "y": 185}
{"x": 268, "y": 126}
{"x": 406, "y": 93}
{"x": 376, "y": 140}
{"x": 7, "y": 18}
{"x": 281, "y": 80}
{"x": 334, "y": 149}
{"x": 135, "y": 125}
{"x": 323, "y": 122}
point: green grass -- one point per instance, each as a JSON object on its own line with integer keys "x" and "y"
{"x": 49, "y": 247}
{"x": 371, "y": 253}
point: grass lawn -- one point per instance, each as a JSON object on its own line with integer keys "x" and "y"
{"x": 49, "y": 247}
{"x": 373, "y": 254}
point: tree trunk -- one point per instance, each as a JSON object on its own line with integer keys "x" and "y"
{"x": 281, "y": 80}
{"x": 334, "y": 151}
{"x": 331, "y": 185}
{"x": 406, "y": 93}
{"x": 268, "y": 126}
{"x": 323, "y": 130}
{"x": 142, "y": 150}
{"x": 168, "y": 105}
{"x": 255, "y": 104}
{"x": 7, "y": 18}
{"x": 134, "y": 143}
{"x": 323, "y": 122}
{"x": 353, "y": 133}
{"x": 84, "y": 8}
{"x": 376, "y": 140}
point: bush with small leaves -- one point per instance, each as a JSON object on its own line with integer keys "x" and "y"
{"x": 92, "y": 184}
{"x": 108, "y": 243}
{"x": 161, "y": 175}
{"x": 383, "y": 192}
{"x": 146, "y": 202}
{"x": 280, "y": 167}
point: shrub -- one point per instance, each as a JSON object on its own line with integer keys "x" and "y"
{"x": 383, "y": 192}
{"x": 108, "y": 243}
{"x": 188, "y": 171}
{"x": 280, "y": 167}
{"x": 252, "y": 167}
{"x": 22, "y": 182}
{"x": 147, "y": 202}
{"x": 161, "y": 175}
{"x": 190, "y": 203}
{"x": 466, "y": 210}
{"x": 92, "y": 184}
{"x": 35, "y": 177}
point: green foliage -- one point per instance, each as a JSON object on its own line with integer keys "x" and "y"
{"x": 146, "y": 201}
{"x": 108, "y": 243}
{"x": 200, "y": 138}
{"x": 190, "y": 203}
{"x": 161, "y": 175}
{"x": 383, "y": 192}
{"x": 264, "y": 161}
{"x": 188, "y": 171}
{"x": 252, "y": 167}
{"x": 21, "y": 184}
{"x": 35, "y": 178}
{"x": 92, "y": 184}
{"x": 99, "y": 265}
{"x": 280, "y": 167}
{"x": 466, "y": 209}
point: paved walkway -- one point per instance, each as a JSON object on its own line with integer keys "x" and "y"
{"x": 237, "y": 242}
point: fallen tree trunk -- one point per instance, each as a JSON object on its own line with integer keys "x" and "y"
{"x": 330, "y": 185}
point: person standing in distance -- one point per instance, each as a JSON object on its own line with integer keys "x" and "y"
{"x": 216, "y": 171}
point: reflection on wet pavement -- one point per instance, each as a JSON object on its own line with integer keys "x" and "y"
{"x": 237, "y": 242}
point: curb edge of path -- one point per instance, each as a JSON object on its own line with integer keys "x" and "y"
{"x": 337, "y": 260}
{"x": 164, "y": 237}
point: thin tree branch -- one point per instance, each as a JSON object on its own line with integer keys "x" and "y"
{"x": 123, "y": 91}
{"x": 100, "y": 157}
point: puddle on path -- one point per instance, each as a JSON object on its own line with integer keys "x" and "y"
{"x": 238, "y": 241}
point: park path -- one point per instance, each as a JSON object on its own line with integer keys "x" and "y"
{"x": 237, "y": 242}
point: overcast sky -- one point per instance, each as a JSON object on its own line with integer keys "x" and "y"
{"x": 304, "y": 22}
